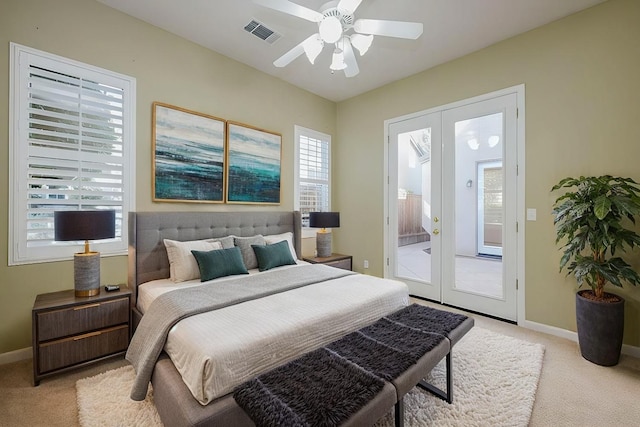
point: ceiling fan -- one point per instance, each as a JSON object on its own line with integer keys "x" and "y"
{"x": 335, "y": 20}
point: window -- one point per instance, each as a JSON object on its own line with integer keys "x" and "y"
{"x": 313, "y": 178}
{"x": 71, "y": 144}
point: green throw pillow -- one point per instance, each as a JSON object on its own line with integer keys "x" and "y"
{"x": 275, "y": 255}
{"x": 219, "y": 263}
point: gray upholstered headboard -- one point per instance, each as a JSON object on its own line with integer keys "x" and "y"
{"x": 147, "y": 230}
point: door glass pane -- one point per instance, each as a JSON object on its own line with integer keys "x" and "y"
{"x": 478, "y": 205}
{"x": 414, "y": 205}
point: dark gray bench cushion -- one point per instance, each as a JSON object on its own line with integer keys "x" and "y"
{"x": 387, "y": 349}
{"x": 452, "y": 325}
{"x": 317, "y": 389}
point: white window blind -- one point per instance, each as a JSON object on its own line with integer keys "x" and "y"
{"x": 313, "y": 188}
{"x": 72, "y": 147}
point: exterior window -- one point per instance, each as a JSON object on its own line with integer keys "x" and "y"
{"x": 313, "y": 184}
{"x": 71, "y": 145}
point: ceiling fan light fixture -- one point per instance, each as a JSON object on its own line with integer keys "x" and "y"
{"x": 330, "y": 29}
{"x": 337, "y": 61}
{"x": 312, "y": 47}
{"x": 361, "y": 42}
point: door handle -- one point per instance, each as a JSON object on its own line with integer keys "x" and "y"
{"x": 436, "y": 232}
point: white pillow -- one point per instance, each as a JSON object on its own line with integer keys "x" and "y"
{"x": 182, "y": 264}
{"x": 288, "y": 236}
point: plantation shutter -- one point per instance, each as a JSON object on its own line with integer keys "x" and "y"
{"x": 314, "y": 175}
{"x": 73, "y": 141}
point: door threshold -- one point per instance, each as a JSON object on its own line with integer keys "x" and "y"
{"x": 512, "y": 322}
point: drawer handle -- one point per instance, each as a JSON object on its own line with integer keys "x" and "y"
{"x": 82, "y": 307}
{"x": 91, "y": 334}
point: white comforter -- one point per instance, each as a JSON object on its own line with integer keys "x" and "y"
{"x": 219, "y": 350}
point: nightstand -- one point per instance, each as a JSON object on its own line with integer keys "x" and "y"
{"x": 70, "y": 331}
{"x": 335, "y": 260}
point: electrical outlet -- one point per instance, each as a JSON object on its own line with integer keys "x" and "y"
{"x": 366, "y": 263}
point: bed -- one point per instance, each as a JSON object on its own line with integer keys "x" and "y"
{"x": 193, "y": 387}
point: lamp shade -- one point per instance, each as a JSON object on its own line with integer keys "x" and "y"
{"x": 84, "y": 225}
{"x": 324, "y": 219}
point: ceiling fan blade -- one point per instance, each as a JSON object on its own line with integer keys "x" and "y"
{"x": 286, "y": 59}
{"x": 349, "y": 59}
{"x": 292, "y": 9}
{"x": 400, "y": 29}
{"x": 348, "y": 6}
{"x": 297, "y": 50}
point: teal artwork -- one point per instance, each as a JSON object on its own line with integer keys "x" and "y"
{"x": 188, "y": 155}
{"x": 253, "y": 164}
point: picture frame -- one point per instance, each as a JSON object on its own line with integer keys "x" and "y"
{"x": 253, "y": 165}
{"x": 188, "y": 156}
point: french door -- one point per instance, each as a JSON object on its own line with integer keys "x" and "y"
{"x": 452, "y": 205}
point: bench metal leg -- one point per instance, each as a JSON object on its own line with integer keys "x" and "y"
{"x": 399, "y": 413}
{"x": 448, "y": 395}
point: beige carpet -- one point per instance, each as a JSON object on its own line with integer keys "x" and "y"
{"x": 495, "y": 382}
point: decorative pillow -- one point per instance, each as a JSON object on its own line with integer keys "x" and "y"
{"x": 245, "y": 243}
{"x": 227, "y": 241}
{"x": 182, "y": 264}
{"x": 219, "y": 263}
{"x": 275, "y": 255}
{"x": 288, "y": 236}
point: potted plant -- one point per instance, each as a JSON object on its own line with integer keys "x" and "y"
{"x": 594, "y": 221}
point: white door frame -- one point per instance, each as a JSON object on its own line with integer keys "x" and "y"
{"x": 519, "y": 90}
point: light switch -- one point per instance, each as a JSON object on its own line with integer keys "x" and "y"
{"x": 531, "y": 214}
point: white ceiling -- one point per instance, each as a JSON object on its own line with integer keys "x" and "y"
{"x": 452, "y": 28}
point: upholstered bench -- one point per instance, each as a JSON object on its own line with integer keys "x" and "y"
{"x": 347, "y": 382}
{"x": 450, "y": 325}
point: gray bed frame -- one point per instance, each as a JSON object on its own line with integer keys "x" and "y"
{"x": 148, "y": 261}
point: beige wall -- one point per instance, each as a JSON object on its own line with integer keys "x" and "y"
{"x": 167, "y": 69}
{"x": 582, "y": 114}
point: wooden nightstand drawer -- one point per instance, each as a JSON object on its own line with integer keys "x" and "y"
{"x": 335, "y": 260}
{"x": 80, "y": 348}
{"x": 81, "y": 318}
{"x": 343, "y": 263}
{"x": 70, "y": 331}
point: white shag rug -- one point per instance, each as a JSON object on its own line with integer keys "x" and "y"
{"x": 495, "y": 380}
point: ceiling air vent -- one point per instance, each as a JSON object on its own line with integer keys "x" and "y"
{"x": 259, "y": 30}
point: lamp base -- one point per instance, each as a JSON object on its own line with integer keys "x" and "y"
{"x": 323, "y": 244}
{"x": 86, "y": 274}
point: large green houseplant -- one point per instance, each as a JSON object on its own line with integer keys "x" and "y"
{"x": 594, "y": 220}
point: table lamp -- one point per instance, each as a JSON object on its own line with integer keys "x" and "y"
{"x": 324, "y": 220}
{"x": 85, "y": 225}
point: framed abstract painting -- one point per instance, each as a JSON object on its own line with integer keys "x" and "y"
{"x": 253, "y": 165}
{"x": 188, "y": 156}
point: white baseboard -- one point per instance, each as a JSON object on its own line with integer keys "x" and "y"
{"x": 628, "y": 350}
{"x": 16, "y": 355}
